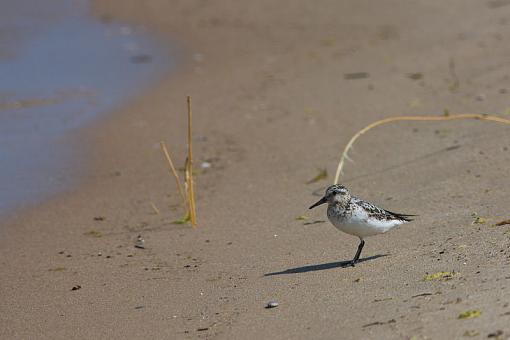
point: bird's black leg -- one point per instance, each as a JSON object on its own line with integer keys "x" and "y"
{"x": 358, "y": 253}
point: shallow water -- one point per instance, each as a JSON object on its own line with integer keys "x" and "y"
{"x": 59, "y": 70}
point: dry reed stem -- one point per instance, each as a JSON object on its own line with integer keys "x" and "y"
{"x": 415, "y": 118}
{"x": 173, "y": 171}
{"x": 189, "y": 170}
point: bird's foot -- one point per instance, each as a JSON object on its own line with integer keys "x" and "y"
{"x": 351, "y": 263}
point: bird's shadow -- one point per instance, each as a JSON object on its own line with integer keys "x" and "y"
{"x": 323, "y": 266}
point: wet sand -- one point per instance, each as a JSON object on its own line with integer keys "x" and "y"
{"x": 274, "y": 100}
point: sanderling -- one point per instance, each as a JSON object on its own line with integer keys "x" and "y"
{"x": 357, "y": 217}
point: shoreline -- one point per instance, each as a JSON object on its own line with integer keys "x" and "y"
{"x": 271, "y": 105}
{"x": 53, "y": 86}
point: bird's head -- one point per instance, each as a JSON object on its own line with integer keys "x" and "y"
{"x": 335, "y": 195}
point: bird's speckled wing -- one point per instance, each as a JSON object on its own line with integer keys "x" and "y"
{"x": 378, "y": 213}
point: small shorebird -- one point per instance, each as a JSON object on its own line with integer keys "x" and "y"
{"x": 357, "y": 217}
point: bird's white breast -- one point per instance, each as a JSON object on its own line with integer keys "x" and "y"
{"x": 358, "y": 222}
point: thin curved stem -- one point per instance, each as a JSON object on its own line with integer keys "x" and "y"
{"x": 414, "y": 118}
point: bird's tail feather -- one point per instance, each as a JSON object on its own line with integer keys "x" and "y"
{"x": 404, "y": 217}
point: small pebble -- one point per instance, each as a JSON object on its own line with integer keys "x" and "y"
{"x": 272, "y": 304}
{"x": 495, "y": 334}
{"x": 140, "y": 242}
{"x": 205, "y": 165}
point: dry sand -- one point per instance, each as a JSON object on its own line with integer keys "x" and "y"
{"x": 271, "y": 105}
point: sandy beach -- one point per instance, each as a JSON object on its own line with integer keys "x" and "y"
{"x": 278, "y": 89}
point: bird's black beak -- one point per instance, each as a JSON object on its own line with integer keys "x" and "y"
{"x": 319, "y": 202}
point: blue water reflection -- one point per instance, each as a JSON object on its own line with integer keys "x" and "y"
{"x": 62, "y": 74}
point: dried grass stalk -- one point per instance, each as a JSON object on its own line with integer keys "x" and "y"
{"x": 414, "y": 118}
{"x": 189, "y": 171}
{"x": 173, "y": 171}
